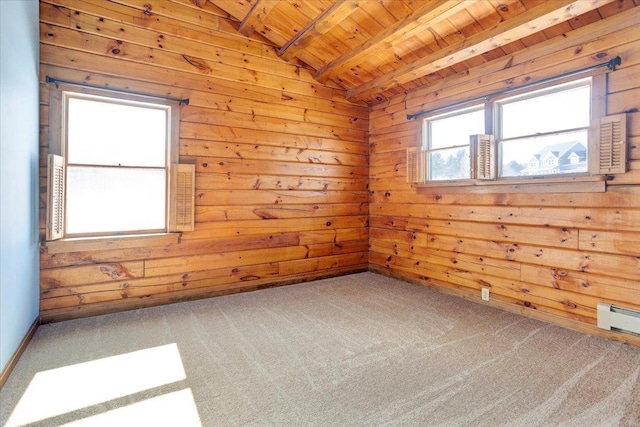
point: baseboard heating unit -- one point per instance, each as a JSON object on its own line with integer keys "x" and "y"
{"x": 616, "y": 318}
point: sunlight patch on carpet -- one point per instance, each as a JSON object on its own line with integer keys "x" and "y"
{"x": 62, "y": 390}
{"x": 171, "y": 409}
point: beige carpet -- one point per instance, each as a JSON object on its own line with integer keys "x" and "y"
{"x": 358, "y": 350}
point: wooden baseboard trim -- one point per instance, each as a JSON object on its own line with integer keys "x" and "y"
{"x": 574, "y": 325}
{"x": 91, "y": 310}
{"x": 4, "y": 375}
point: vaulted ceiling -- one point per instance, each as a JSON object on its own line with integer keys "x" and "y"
{"x": 376, "y": 49}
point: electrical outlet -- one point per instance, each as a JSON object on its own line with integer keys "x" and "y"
{"x": 485, "y": 294}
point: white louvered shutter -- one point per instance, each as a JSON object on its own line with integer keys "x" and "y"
{"x": 182, "y": 209}
{"x": 483, "y": 151}
{"x": 611, "y": 146}
{"x": 415, "y": 165}
{"x": 55, "y": 197}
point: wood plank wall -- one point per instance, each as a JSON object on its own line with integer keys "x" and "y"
{"x": 551, "y": 256}
{"x": 281, "y": 161}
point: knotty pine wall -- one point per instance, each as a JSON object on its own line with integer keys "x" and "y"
{"x": 550, "y": 256}
{"x": 281, "y": 161}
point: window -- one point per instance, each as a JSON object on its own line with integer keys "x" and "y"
{"x": 118, "y": 159}
{"x": 447, "y": 144}
{"x": 545, "y": 132}
{"x": 550, "y": 125}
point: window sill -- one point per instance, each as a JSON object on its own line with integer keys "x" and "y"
{"x": 103, "y": 243}
{"x": 576, "y": 184}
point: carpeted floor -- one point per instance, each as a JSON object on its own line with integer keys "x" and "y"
{"x": 357, "y": 350}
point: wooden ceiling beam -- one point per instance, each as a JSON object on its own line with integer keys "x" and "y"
{"x": 334, "y": 15}
{"x": 256, "y": 16}
{"x": 532, "y": 21}
{"x": 428, "y": 15}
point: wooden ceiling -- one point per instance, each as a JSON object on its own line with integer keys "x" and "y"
{"x": 376, "y": 49}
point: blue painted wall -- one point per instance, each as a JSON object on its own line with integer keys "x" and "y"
{"x": 19, "y": 274}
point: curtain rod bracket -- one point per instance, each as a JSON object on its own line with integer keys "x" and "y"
{"x": 47, "y": 79}
{"x": 611, "y": 65}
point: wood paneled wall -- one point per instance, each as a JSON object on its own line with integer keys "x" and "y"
{"x": 283, "y": 175}
{"x": 551, "y": 256}
{"x": 281, "y": 161}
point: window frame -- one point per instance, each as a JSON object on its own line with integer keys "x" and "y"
{"x": 594, "y": 180}
{"x": 58, "y": 145}
{"x": 426, "y": 140}
{"x": 494, "y": 104}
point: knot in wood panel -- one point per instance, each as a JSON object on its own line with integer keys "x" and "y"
{"x": 200, "y": 64}
{"x": 115, "y": 271}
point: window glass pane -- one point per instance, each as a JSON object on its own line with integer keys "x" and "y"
{"x": 452, "y": 163}
{"x": 548, "y": 155}
{"x": 569, "y": 109}
{"x": 455, "y": 130}
{"x": 104, "y": 133}
{"x": 103, "y": 200}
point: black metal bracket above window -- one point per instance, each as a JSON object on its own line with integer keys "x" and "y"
{"x": 611, "y": 65}
{"x": 183, "y": 101}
